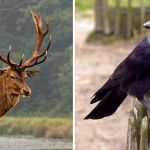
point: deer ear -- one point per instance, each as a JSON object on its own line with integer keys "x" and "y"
{"x": 32, "y": 73}
{"x": 1, "y": 72}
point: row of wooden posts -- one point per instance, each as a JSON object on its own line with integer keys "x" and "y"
{"x": 111, "y": 20}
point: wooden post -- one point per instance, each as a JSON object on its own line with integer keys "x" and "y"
{"x": 107, "y": 28}
{"x": 142, "y": 12}
{"x": 102, "y": 22}
{"x": 144, "y": 134}
{"x": 129, "y": 19}
{"x": 132, "y": 139}
{"x": 138, "y": 128}
{"x": 117, "y": 18}
{"x": 99, "y": 23}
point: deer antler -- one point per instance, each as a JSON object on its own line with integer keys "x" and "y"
{"x": 7, "y": 60}
{"x": 36, "y": 55}
{"x": 40, "y": 36}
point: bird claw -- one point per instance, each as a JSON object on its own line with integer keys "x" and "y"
{"x": 147, "y": 106}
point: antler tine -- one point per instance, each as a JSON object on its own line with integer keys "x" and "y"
{"x": 36, "y": 61}
{"x": 7, "y": 59}
{"x": 9, "y": 62}
{"x": 41, "y": 60}
{"x": 8, "y": 55}
{"x": 39, "y": 20}
{"x": 40, "y": 35}
{"x": 44, "y": 53}
{"x": 21, "y": 60}
{"x": 34, "y": 21}
{"x": 47, "y": 48}
{"x": 47, "y": 27}
{"x": 2, "y": 58}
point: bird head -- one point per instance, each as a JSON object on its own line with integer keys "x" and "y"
{"x": 147, "y": 25}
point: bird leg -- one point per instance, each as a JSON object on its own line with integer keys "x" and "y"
{"x": 147, "y": 106}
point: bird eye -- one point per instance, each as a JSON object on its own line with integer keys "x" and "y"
{"x": 12, "y": 77}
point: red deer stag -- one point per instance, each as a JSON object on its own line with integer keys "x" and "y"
{"x": 13, "y": 78}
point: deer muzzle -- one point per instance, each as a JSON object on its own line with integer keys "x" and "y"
{"x": 26, "y": 92}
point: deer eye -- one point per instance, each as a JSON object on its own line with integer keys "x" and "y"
{"x": 25, "y": 78}
{"x": 12, "y": 77}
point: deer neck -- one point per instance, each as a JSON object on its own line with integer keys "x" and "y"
{"x": 7, "y": 101}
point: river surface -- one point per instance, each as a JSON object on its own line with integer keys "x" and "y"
{"x": 23, "y": 143}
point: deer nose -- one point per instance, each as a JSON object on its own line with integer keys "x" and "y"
{"x": 27, "y": 92}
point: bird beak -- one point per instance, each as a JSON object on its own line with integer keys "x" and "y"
{"x": 147, "y": 25}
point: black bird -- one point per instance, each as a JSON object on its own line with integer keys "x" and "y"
{"x": 131, "y": 77}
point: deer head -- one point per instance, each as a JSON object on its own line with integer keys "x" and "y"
{"x": 14, "y": 76}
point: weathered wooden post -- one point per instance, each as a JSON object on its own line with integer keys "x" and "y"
{"x": 102, "y": 22}
{"x": 138, "y": 128}
{"x": 99, "y": 23}
{"x": 129, "y": 19}
{"x": 117, "y": 17}
{"x": 142, "y": 7}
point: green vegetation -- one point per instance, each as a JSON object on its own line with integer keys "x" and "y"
{"x": 89, "y": 4}
{"x": 38, "y": 127}
{"x": 99, "y": 37}
{"x": 84, "y": 4}
{"x": 52, "y": 89}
